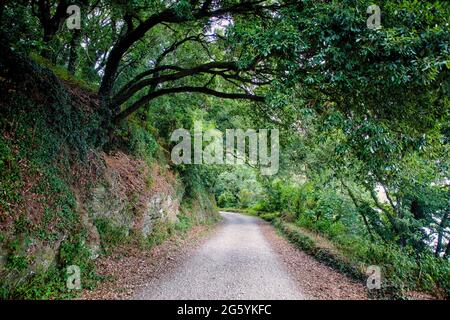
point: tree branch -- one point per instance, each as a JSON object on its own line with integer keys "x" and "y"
{"x": 166, "y": 16}
{"x": 131, "y": 89}
{"x": 203, "y": 90}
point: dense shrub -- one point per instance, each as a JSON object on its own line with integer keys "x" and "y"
{"x": 226, "y": 200}
{"x": 269, "y": 216}
{"x": 142, "y": 143}
{"x": 328, "y": 213}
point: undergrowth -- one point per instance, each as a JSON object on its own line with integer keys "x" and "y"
{"x": 401, "y": 270}
{"x": 42, "y": 132}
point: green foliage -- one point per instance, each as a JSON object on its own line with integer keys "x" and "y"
{"x": 40, "y": 137}
{"x": 401, "y": 270}
{"x": 164, "y": 230}
{"x": 111, "y": 235}
{"x": 325, "y": 211}
{"x": 142, "y": 143}
{"x": 160, "y": 233}
{"x": 237, "y": 188}
{"x": 246, "y": 198}
{"x": 261, "y": 206}
{"x": 434, "y": 274}
{"x": 18, "y": 263}
{"x": 269, "y": 216}
{"x": 74, "y": 252}
{"x": 10, "y": 177}
{"x": 42, "y": 286}
{"x": 184, "y": 223}
{"x": 51, "y": 283}
{"x": 63, "y": 74}
{"x": 226, "y": 200}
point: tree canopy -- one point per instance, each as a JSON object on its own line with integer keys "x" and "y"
{"x": 306, "y": 50}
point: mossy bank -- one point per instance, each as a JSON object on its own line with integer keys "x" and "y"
{"x": 69, "y": 192}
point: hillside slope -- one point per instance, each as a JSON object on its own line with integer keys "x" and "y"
{"x": 64, "y": 200}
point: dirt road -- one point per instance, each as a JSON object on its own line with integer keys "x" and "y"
{"x": 236, "y": 263}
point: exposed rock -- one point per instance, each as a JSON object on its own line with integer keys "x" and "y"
{"x": 127, "y": 201}
{"x": 160, "y": 206}
{"x": 109, "y": 202}
{"x": 93, "y": 237}
{"x": 44, "y": 257}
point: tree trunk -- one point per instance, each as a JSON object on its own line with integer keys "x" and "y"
{"x": 441, "y": 230}
{"x": 355, "y": 202}
{"x": 73, "y": 54}
{"x": 51, "y": 25}
{"x": 447, "y": 251}
{"x": 112, "y": 65}
{"x": 47, "y": 39}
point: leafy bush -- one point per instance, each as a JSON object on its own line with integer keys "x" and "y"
{"x": 63, "y": 74}
{"x": 245, "y": 198}
{"x": 226, "y": 200}
{"x": 110, "y": 234}
{"x": 184, "y": 223}
{"x": 269, "y": 216}
{"x": 74, "y": 252}
{"x": 161, "y": 232}
{"x": 261, "y": 206}
{"x": 51, "y": 283}
{"x": 164, "y": 230}
{"x": 326, "y": 212}
{"x": 10, "y": 176}
{"x": 41, "y": 286}
{"x": 142, "y": 143}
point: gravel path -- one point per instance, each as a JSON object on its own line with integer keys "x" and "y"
{"x": 236, "y": 263}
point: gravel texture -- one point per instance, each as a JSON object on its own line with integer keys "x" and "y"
{"x": 237, "y": 262}
{"x": 243, "y": 258}
{"x": 128, "y": 268}
{"x": 318, "y": 281}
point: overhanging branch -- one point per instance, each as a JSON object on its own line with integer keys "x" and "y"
{"x": 129, "y": 90}
{"x": 186, "y": 89}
